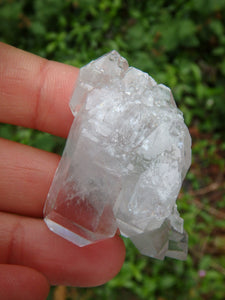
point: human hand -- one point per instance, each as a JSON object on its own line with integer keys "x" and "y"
{"x": 35, "y": 93}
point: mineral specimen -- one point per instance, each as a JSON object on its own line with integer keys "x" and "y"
{"x": 126, "y": 156}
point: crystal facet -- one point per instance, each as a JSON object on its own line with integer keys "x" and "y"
{"x": 126, "y": 156}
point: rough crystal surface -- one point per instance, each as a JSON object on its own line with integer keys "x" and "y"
{"x": 126, "y": 156}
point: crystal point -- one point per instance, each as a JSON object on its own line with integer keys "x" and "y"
{"x": 126, "y": 156}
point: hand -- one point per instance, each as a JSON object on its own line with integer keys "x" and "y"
{"x": 35, "y": 93}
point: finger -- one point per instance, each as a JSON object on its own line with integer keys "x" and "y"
{"x": 25, "y": 178}
{"x": 22, "y": 283}
{"x": 28, "y": 242}
{"x": 35, "y": 92}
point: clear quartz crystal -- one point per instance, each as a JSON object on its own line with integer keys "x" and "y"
{"x": 126, "y": 156}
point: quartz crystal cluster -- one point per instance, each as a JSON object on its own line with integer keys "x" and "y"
{"x": 126, "y": 156}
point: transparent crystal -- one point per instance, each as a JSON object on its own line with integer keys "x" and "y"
{"x": 126, "y": 156}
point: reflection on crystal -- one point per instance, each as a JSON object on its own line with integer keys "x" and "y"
{"x": 126, "y": 156}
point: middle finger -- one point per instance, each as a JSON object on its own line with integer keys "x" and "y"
{"x": 25, "y": 178}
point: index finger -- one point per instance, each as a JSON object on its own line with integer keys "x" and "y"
{"x": 35, "y": 92}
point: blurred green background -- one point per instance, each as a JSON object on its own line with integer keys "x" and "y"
{"x": 181, "y": 44}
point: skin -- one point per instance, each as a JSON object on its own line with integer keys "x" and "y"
{"x": 35, "y": 93}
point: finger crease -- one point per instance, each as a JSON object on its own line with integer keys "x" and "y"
{"x": 15, "y": 246}
{"x": 42, "y": 74}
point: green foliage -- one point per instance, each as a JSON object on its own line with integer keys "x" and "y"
{"x": 34, "y": 138}
{"x": 181, "y": 44}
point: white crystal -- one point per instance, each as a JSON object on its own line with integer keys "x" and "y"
{"x": 126, "y": 156}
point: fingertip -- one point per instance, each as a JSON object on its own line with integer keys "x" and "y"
{"x": 109, "y": 256}
{"x": 67, "y": 264}
{"x": 59, "y": 260}
{"x": 91, "y": 265}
